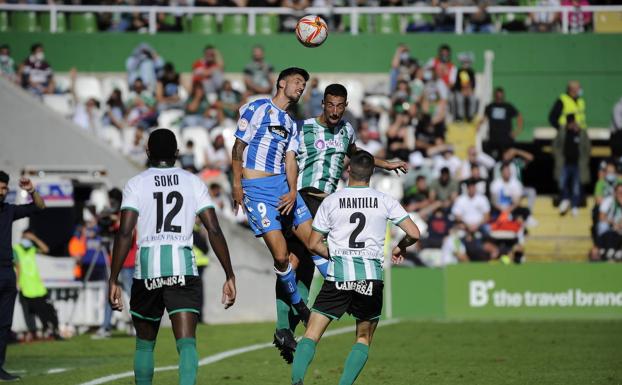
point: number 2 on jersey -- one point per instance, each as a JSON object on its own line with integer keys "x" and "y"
{"x": 179, "y": 201}
{"x": 360, "y": 218}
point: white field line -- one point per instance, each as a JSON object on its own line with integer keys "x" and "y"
{"x": 227, "y": 354}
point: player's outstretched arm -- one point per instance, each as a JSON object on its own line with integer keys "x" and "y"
{"x": 237, "y": 155}
{"x": 122, "y": 246}
{"x": 219, "y": 244}
{"x": 316, "y": 244}
{"x": 397, "y": 166}
{"x": 412, "y": 236}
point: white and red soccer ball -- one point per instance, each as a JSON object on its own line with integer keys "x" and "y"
{"x": 311, "y": 31}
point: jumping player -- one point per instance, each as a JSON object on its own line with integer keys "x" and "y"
{"x": 164, "y": 201}
{"x": 325, "y": 141}
{"x": 354, "y": 222}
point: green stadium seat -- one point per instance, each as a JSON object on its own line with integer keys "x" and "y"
{"x": 4, "y": 21}
{"x": 267, "y": 24}
{"x": 235, "y": 24}
{"x": 83, "y": 22}
{"x": 387, "y": 23}
{"x": 204, "y": 23}
{"x": 45, "y": 20}
{"x": 24, "y": 22}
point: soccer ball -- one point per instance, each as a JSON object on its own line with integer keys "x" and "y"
{"x": 311, "y": 31}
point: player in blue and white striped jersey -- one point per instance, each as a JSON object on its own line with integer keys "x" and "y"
{"x": 265, "y": 174}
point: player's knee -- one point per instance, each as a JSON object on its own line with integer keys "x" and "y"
{"x": 281, "y": 262}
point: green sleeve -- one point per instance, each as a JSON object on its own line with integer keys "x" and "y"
{"x": 599, "y": 189}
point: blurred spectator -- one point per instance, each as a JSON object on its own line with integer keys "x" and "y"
{"x": 400, "y": 138}
{"x": 144, "y": 63}
{"x": 439, "y": 226}
{"x": 371, "y": 116}
{"x": 445, "y": 159}
{"x": 135, "y": 150}
{"x": 615, "y": 138}
{"x": 453, "y": 249}
{"x": 401, "y": 100}
{"x": 7, "y": 64}
{"x": 482, "y": 161}
{"x": 198, "y": 110}
{"x": 401, "y": 66}
{"x": 33, "y": 295}
{"x": 186, "y": 157}
{"x": 313, "y": 98}
{"x": 465, "y": 102}
{"x": 443, "y": 21}
{"x": 570, "y": 102}
{"x": 499, "y": 114}
{"x": 480, "y": 21}
{"x": 506, "y": 193}
{"x": 442, "y": 66}
{"x": 166, "y": 24}
{"x": 472, "y": 209}
{"x": 141, "y": 107}
{"x": 545, "y": 21}
{"x": 444, "y": 189}
{"x": 220, "y": 198}
{"x": 609, "y": 239}
{"x": 208, "y": 70}
{"x": 167, "y": 89}
{"x": 288, "y": 22}
{"x": 93, "y": 261}
{"x": 36, "y": 74}
{"x": 365, "y": 142}
{"x": 481, "y": 183}
{"x": 229, "y": 101}
{"x": 604, "y": 186}
{"x": 417, "y": 199}
{"x": 88, "y": 116}
{"x": 258, "y": 77}
{"x": 434, "y": 103}
{"x": 578, "y": 20}
{"x": 115, "y": 110}
{"x": 517, "y": 161}
{"x": 571, "y": 151}
{"x": 217, "y": 156}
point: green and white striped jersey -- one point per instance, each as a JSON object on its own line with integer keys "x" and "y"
{"x": 355, "y": 221}
{"x": 321, "y": 154}
{"x": 167, "y": 201}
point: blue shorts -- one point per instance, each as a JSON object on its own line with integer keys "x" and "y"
{"x": 261, "y": 199}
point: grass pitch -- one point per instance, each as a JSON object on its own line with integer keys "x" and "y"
{"x": 407, "y": 353}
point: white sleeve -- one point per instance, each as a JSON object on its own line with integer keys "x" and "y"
{"x": 495, "y": 186}
{"x": 130, "y": 196}
{"x": 395, "y": 211}
{"x": 486, "y": 160}
{"x": 485, "y": 205}
{"x": 605, "y": 205}
{"x": 246, "y": 126}
{"x": 457, "y": 209}
{"x": 202, "y": 197}
{"x": 321, "y": 222}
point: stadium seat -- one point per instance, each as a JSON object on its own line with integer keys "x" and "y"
{"x": 387, "y": 23}
{"x": 112, "y": 136}
{"x": 364, "y": 22}
{"x": 109, "y": 83}
{"x": 267, "y": 24}
{"x": 235, "y": 24}
{"x": 83, "y": 22}
{"x": 4, "y": 21}
{"x": 169, "y": 118}
{"x": 63, "y": 82}
{"x": 24, "y": 22}
{"x": 88, "y": 87}
{"x": 200, "y": 138}
{"x": 60, "y": 103}
{"x": 45, "y": 21}
{"x": 204, "y": 24}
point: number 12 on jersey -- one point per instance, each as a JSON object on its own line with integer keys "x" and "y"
{"x": 179, "y": 201}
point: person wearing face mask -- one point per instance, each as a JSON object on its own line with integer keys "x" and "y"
{"x": 9, "y": 213}
{"x": 570, "y": 102}
{"x": 37, "y": 75}
{"x": 7, "y": 64}
{"x": 441, "y": 65}
{"x": 33, "y": 295}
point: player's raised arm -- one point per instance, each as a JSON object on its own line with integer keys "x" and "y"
{"x": 397, "y": 166}
{"x": 122, "y": 246}
{"x": 219, "y": 244}
{"x": 412, "y": 236}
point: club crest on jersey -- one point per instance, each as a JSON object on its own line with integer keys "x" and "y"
{"x": 242, "y": 124}
{"x": 265, "y": 222}
{"x": 279, "y": 131}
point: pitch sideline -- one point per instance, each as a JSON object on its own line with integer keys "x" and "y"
{"x": 226, "y": 354}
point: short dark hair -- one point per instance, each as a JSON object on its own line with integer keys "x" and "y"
{"x": 444, "y": 46}
{"x": 500, "y": 89}
{"x": 209, "y": 46}
{"x": 505, "y": 164}
{"x": 34, "y": 47}
{"x": 4, "y": 46}
{"x": 445, "y": 170}
{"x": 336, "y": 90}
{"x": 361, "y": 166}
{"x": 4, "y": 177}
{"x": 292, "y": 71}
{"x": 471, "y": 182}
{"x": 419, "y": 177}
{"x": 162, "y": 145}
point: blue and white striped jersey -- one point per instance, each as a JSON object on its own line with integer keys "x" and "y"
{"x": 269, "y": 133}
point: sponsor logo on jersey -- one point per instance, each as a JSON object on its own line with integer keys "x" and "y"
{"x": 361, "y": 287}
{"x": 278, "y": 130}
{"x": 156, "y": 283}
{"x": 322, "y": 144}
{"x": 242, "y": 124}
{"x": 265, "y": 222}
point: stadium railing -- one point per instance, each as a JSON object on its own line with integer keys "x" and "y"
{"x": 354, "y": 13}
